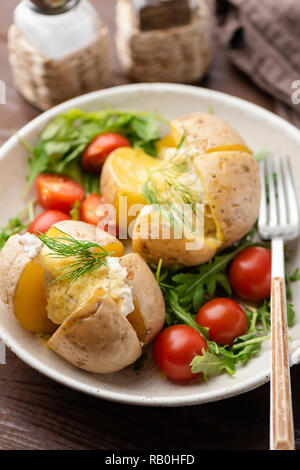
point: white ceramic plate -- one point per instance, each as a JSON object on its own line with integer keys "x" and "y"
{"x": 261, "y": 129}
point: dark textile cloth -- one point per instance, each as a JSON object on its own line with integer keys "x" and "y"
{"x": 263, "y": 40}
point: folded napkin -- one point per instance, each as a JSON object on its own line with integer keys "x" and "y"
{"x": 263, "y": 40}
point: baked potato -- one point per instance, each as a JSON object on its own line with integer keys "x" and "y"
{"x": 202, "y": 133}
{"x": 154, "y": 238}
{"x": 223, "y": 174}
{"x": 99, "y": 322}
{"x": 231, "y": 184}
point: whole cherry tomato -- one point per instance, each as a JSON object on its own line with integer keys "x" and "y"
{"x": 98, "y": 150}
{"x": 225, "y": 319}
{"x": 250, "y": 274}
{"x": 58, "y": 192}
{"x": 90, "y": 212}
{"x": 45, "y": 220}
{"x": 175, "y": 347}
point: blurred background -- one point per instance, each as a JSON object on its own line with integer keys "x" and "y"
{"x": 254, "y": 56}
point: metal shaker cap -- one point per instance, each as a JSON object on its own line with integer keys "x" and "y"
{"x": 52, "y": 7}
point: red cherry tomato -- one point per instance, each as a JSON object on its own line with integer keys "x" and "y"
{"x": 89, "y": 213}
{"x": 88, "y": 208}
{"x": 98, "y": 150}
{"x": 175, "y": 347}
{"x": 250, "y": 274}
{"x": 225, "y": 319}
{"x": 58, "y": 192}
{"x": 45, "y": 220}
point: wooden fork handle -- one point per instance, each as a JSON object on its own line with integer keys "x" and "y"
{"x": 282, "y": 428}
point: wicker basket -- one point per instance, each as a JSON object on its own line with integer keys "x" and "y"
{"x": 46, "y": 82}
{"x": 180, "y": 54}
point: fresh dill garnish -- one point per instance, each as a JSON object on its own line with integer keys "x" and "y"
{"x": 175, "y": 193}
{"x": 85, "y": 256}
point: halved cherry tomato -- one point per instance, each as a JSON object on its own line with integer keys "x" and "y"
{"x": 58, "y": 192}
{"x": 88, "y": 208}
{"x": 98, "y": 150}
{"x": 250, "y": 274}
{"x": 225, "y": 319}
{"x": 175, "y": 347}
{"x": 91, "y": 213}
{"x": 45, "y": 220}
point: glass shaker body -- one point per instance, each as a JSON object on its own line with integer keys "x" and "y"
{"x": 57, "y": 35}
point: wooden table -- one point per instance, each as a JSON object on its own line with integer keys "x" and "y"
{"x": 37, "y": 413}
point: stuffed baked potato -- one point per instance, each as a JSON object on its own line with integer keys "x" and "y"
{"x": 99, "y": 322}
{"x": 225, "y": 178}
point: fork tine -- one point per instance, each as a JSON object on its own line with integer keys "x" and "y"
{"x": 262, "y": 216}
{"x": 280, "y": 192}
{"x": 273, "y": 219}
{"x": 292, "y": 203}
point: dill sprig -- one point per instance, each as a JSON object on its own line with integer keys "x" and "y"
{"x": 176, "y": 193}
{"x": 86, "y": 257}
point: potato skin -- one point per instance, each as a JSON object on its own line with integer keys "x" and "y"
{"x": 206, "y": 131}
{"x": 146, "y": 293}
{"x": 231, "y": 182}
{"x": 172, "y": 250}
{"x": 97, "y": 338}
{"x": 232, "y": 185}
{"x": 13, "y": 260}
{"x": 83, "y": 231}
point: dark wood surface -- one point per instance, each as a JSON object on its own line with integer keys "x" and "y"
{"x": 37, "y": 413}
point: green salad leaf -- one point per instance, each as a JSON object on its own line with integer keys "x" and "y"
{"x": 209, "y": 364}
{"x": 186, "y": 290}
{"x": 64, "y": 139}
{"x": 17, "y": 224}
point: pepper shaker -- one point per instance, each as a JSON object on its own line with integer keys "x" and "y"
{"x": 58, "y": 49}
{"x": 163, "y": 40}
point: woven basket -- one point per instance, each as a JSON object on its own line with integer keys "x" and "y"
{"x": 180, "y": 54}
{"x": 46, "y": 82}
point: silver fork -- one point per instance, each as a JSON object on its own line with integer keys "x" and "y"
{"x": 279, "y": 221}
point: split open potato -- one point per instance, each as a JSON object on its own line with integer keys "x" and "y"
{"x": 99, "y": 322}
{"x": 223, "y": 174}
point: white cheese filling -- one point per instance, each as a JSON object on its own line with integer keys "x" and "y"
{"x": 31, "y": 244}
{"x": 118, "y": 287}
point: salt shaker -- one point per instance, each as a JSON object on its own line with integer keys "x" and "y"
{"x": 163, "y": 40}
{"x": 58, "y": 49}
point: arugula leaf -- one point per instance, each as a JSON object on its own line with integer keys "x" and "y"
{"x": 209, "y": 364}
{"x": 290, "y": 314}
{"x": 184, "y": 292}
{"x": 64, "y": 139}
{"x": 145, "y": 127}
{"x": 16, "y": 225}
{"x": 38, "y": 163}
{"x": 227, "y": 357}
{"x": 289, "y": 279}
{"x": 192, "y": 287}
{"x": 295, "y": 276}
